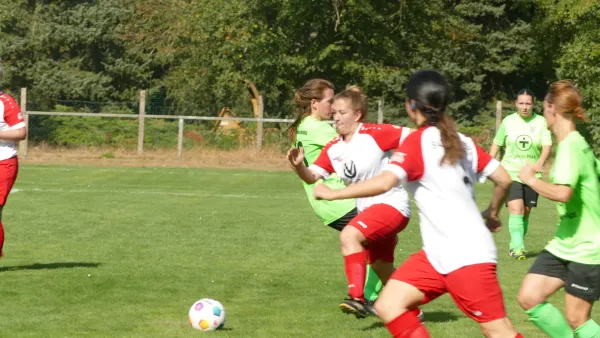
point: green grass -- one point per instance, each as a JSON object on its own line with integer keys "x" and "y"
{"x": 125, "y": 253}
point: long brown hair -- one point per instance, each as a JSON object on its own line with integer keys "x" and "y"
{"x": 431, "y": 94}
{"x": 567, "y": 99}
{"x": 312, "y": 90}
{"x": 358, "y": 99}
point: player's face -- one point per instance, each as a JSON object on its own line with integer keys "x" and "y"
{"x": 323, "y": 107}
{"x": 549, "y": 114}
{"x": 524, "y": 104}
{"x": 345, "y": 117}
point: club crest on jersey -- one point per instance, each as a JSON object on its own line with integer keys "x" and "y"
{"x": 398, "y": 157}
{"x": 350, "y": 171}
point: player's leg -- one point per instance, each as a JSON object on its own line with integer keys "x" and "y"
{"x": 8, "y": 175}
{"x": 476, "y": 291}
{"x": 516, "y": 210}
{"x": 530, "y": 201}
{"x": 582, "y": 289}
{"x": 414, "y": 283}
{"x": 372, "y": 283}
{"x": 545, "y": 277}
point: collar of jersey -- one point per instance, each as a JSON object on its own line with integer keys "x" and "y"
{"x": 355, "y": 132}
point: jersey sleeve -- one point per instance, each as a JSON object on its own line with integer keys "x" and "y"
{"x": 500, "y": 137}
{"x": 566, "y": 167}
{"x": 324, "y": 134}
{"x": 407, "y": 162}
{"x": 12, "y": 113}
{"x": 486, "y": 164}
{"x": 389, "y": 136}
{"x": 322, "y": 165}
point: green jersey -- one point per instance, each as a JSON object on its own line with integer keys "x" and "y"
{"x": 578, "y": 236}
{"x": 524, "y": 140}
{"x": 313, "y": 135}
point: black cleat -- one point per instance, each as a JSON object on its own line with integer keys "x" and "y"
{"x": 355, "y": 306}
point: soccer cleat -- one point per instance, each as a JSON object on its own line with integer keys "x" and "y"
{"x": 517, "y": 254}
{"x": 355, "y": 306}
{"x": 370, "y": 307}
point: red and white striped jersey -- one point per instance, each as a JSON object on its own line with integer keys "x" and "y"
{"x": 453, "y": 231}
{"x": 10, "y": 118}
{"x": 367, "y": 153}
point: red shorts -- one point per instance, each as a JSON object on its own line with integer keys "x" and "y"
{"x": 8, "y": 175}
{"x": 380, "y": 224}
{"x": 474, "y": 288}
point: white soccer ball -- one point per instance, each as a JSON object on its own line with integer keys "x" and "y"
{"x": 207, "y": 315}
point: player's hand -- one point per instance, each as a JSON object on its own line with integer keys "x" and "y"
{"x": 527, "y": 173}
{"x": 295, "y": 156}
{"x": 538, "y": 167}
{"x": 323, "y": 192}
{"x": 492, "y": 222}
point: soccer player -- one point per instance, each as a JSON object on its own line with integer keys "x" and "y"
{"x": 572, "y": 258}
{"x": 526, "y": 137}
{"x": 359, "y": 152}
{"x": 12, "y": 128}
{"x": 439, "y": 166}
{"x": 311, "y": 132}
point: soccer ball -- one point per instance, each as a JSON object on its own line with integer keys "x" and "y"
{"x": 207, "y": 315}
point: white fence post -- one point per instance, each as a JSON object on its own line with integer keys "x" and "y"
{"x": 142, "y": 114}
{"x": 23, "y": 144}
{"x": 180, "y": 140}
{"x": 380, "y": 110}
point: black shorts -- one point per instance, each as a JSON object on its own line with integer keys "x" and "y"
{"x": 520, "y": 191}
{"x": 341, "y": 222}
{"x": 581, "y": 280}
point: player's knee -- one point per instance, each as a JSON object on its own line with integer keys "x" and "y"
{"x": 349, "y": 237}
{"x": 576, "y": 318}
{"x": 500, "y": 328}
{"x": 528, "y": 300}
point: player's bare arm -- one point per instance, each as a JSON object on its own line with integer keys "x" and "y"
{"x": 296, "y": 158}
{"x": 13, "y": 135}
{"x": 554, "y": 192}
{"x": 502, "y": 182}
{"x": 538, "y": 166}
{"x": 372, "y": 187}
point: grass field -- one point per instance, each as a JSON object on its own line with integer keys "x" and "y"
{"x": 117, "y": 252}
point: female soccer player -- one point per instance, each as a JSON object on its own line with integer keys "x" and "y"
{"x": 572, "y": 258}
{"x": 358, "y": 153}
{"x": 311, "y": 133}
{"x": 12, "y": 128}
{"x": 439, "y": 165}
{"x": 526, "y": 138}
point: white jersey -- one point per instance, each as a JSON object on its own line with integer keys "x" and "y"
{"x": 453, "y": 231}
{"x": 10, "y": 119}
{"x": 364, "y": 157}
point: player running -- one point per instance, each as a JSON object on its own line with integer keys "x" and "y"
{"x": 311, "y": 132}
{"x": 357, "y": 154}
{"x": 526, "y": 137}
{"x": 12, "y": 128}
{"x": 572, "y": 258}
{"x": 439, "y": 165}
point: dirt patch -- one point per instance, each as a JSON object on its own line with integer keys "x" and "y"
{"x": 244, "y": 158}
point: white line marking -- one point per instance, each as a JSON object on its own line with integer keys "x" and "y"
{"x": 198, "y": 171}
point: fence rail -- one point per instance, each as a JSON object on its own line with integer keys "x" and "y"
{"x": 141, "y": 116}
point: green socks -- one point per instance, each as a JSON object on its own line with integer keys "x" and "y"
{"x": 589, "y": 329}
{"x": 517, "y": 232}
{"x": 373, "y": 285}
{"x": 550, "y": 320}
{"x": 525, "y": 226}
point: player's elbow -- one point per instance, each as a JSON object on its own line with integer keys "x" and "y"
{"x": 564, "y": 194}
{"x": 501, "y": 178}
{"x": 387, "y": 181}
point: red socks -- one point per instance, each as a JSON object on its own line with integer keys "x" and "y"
{"x": 519, "y": 336}
{"x": 407, "y": 325}
{"x": 356, "y": 267}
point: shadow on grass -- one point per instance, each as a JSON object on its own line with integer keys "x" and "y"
{"x": 49, "y": 266}
{"x": 430, "y": 317}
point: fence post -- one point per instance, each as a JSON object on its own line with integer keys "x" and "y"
{"x": 498, "y": 114}
{"x": 142, "y": 113}
{"x": 259, "y": 124}
{"x": 180, "y": 140}
{"x": 23, "y": 144}
{"x": 380, "y": 110}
